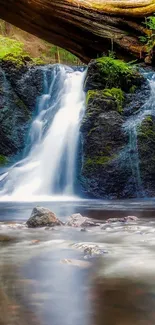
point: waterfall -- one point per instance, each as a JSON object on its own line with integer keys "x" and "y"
{"x": 131, "y": 127}
{"x": 50, "y": 157}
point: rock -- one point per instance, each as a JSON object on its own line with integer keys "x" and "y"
{"x": 90, "y": 250}
{"x": 83, "y": 229}
{"x": 104, "y": 173}
{"x": 79, "y": 263}
{"x": 77, "y": 220}
{"x": 124, "y": 219}
{"x": 107, "y": 72}
{"x": 106, "y": 170}
{"x": 42, "y": 217}
{"x": 19, "y": 88}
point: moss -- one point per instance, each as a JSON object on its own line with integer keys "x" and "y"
{"x": 118, "y": 95}
{"x": 98, "y": 160}
{"x": 132, "y": 89}
{"x": 114, "y": 93}
{"x": 3, "y": 160}
{"x": 91, "y": 130}
{"x": 147, "y": 129}
{"x": 22, "y": 105}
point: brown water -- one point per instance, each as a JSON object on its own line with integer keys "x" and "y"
{"x": 104, "y": 276}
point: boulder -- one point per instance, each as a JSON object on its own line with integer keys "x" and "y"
{"x": 42, "y": 217}
{"x": 123, "y": 219}
{"x": 77, "y": 220}
{"x": 106, "y": 170}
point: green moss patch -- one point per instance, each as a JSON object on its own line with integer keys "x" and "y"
{"x": 99, "y": 160}
{"x": 114, "y": 93}
{"x": 147, "y": 129}
{"x": 3, "y": 160}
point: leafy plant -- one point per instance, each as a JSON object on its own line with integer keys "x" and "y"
{"x": 149, "y": 39}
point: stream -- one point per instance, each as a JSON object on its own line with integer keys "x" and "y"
{"x": 104, "y": 275}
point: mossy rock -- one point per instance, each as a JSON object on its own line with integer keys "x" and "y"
{"x": 146, "y": 152}
{"x": 115, "y": 94}
{"x": 106, "y": 72}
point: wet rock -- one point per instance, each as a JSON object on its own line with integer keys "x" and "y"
{"x": 19, "y": 88}
{"x": 42, "y": 217}
{"x": 83, "y": 229}
{"x": 106, "y": 168}
{"x": 79, "y": 263}
{"x": 77, "y": 220}
{"x": 124, "y": 219}
{"x": 90, "y": 249}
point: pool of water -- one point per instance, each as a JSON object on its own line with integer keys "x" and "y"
{"x": 63, "y": 276}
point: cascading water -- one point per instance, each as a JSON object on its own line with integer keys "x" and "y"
{"x": 131, "y": 127}
{"x": 49, "y": 166}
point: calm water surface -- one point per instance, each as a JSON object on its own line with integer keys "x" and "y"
{"x": 65, "y": 276}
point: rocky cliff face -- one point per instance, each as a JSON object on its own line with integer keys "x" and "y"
{"x": 19, "y": 87}
{"x": 113, "y": 167}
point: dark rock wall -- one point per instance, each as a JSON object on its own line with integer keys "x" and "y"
{"x": 19, "y": 88}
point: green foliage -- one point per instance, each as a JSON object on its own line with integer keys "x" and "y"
{"x": 3, "y": 160}
{"x": 143, "y": 39}
{"x": 112, "y": 70}
{"x": 64, "y": 55}
{"x": 9, "y": 46}
{"x": 150, "y": 22}
{"x": 38, "y": 61}
{"x": 132, "y": 89}
{"x": 149, "y": 40}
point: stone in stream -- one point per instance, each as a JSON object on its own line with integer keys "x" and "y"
{"x": 42, "y": 217}
{"x": 123, "y": 219}
{"x": 77, "y": 220}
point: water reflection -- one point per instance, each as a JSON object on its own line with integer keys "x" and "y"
{"x": 123, "y": 302}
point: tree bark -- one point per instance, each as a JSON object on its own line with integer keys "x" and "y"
{"x": 86, "y": 28}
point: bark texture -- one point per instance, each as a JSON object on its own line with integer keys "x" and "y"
{"x": 84, "y": 27}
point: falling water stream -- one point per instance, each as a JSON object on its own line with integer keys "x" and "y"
{"x": 49, "y": 168}
{"x": 131, "y": 127}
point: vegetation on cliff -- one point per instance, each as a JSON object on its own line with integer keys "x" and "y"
{"x": 19, "y": 47}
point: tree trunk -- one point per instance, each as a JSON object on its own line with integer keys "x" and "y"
{"x": 87, "y": 28}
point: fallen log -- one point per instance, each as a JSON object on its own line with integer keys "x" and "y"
{"x": 86, "y": 28}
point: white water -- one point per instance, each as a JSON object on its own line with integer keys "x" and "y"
{"x": 49, "y": 169}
